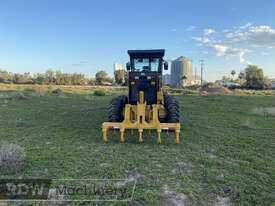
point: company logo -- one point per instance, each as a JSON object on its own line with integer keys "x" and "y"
{"x": 67, "y": 189}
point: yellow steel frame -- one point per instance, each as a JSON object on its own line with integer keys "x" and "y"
{"x": 134, "y": 118}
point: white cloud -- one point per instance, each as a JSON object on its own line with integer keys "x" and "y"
{"x": 208, "y": 31}
{"x": 238, "y": 41}
{"x": 190, "y": 28}
{"x": 245, "y": 26}
{"x": 258, "y": 36}
{"x": 200, "y": 39}
{"x": 227, "y": 51}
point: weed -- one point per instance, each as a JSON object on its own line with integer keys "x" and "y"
{"x": 11, "y": 157}
{"x": 99, "y": 93}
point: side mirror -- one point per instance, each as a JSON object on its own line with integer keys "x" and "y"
{"x": 165, "y": 65}
{"x": 128, "y": 66}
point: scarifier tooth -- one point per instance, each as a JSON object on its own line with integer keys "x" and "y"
{"x": 177, "y": 136}
{"x": 140, "y": 137}
{"x": 122, "y": 136}
{"x": 159, "y": 138}
{"x": 105, "y": 135}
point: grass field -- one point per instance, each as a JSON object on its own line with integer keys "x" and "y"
{"x": 225, "y": 156}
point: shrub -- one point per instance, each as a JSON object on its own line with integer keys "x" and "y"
{"x": 19, "y": 123}
{"x": 57, "y": 91}
{"x": 11, "y": 157}
{"x": 17, "y": 95}
{"x": 99, "y": 93}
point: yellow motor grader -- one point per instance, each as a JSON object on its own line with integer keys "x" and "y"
{"x": 146, "y": 106}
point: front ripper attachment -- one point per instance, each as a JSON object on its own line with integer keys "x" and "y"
{"x": 134, "y": 118}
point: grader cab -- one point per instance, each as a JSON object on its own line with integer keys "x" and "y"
{"x": 146, "y": 106}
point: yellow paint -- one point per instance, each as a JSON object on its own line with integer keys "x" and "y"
{"x": 135, "y": 118}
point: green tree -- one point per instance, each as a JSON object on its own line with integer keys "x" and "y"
{"x": 4, "y": 76}
{"x": 233, "y": 72}
{"x": 91, "y": 81}
{"x": 226, "y": 79}
{"x": 78, "y": 79}
{"x": 22, "y": 78}
{"x": 255, "y": 78}
{"x": 126, "y": 78}
{"x": 100, "y": 76}
{"x": 50, "y": 76}
{"x": 39, "y": 78}
{"x": 242, "y": 76}
{"x": 59, "y": 78}
{"x": 119, "y": 76}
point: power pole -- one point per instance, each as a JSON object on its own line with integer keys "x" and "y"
{"x": 202, "y": 64}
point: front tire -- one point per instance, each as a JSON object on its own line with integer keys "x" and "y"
{"x": 115, "y": 108}
{"x": 172, "y": 107}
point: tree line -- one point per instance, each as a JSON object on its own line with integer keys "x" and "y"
{"x": 251, "y": 77}
{"x": 51, "y": 77}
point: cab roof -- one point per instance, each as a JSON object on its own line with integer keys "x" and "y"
{"x": 154, "y": 53}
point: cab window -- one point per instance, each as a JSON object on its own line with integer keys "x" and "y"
{"x": 154, "y": 64}
{"x": 141, "y": 64}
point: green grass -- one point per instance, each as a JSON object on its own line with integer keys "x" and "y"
{"x": 218, "y": 159}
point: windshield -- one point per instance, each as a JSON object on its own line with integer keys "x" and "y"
{"x": 155, "y": 64}
{"x": 146, "y": 64}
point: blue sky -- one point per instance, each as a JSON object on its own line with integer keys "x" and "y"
{"x": 87, "y": 36}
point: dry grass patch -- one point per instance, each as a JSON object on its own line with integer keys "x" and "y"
{"x": 213, "y": 88}
{"x": 264, "y": 111}
{"x": 89, "y": 97}
{"x": 39, "y": 92}
{"x": 62, "y": 95}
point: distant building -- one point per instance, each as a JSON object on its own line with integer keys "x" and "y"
{"x": 180, "y": 67}
{"x": 117, "y": 66}
{"x": 190, "y": 80}
{"x": 166, "y": 79}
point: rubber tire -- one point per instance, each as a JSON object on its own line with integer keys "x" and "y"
{"x": 115, "y": 108}
{"x": 172, "y": 107}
